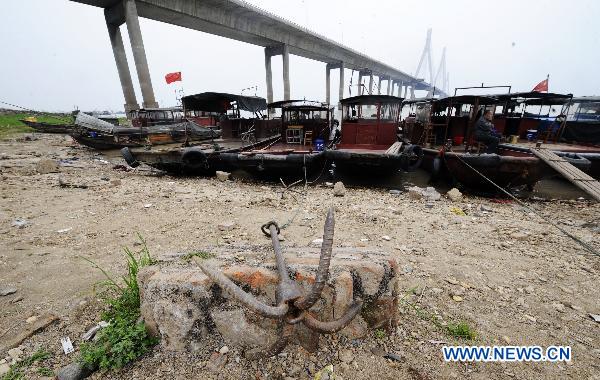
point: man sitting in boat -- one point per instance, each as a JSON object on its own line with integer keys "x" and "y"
{"x": 485, "y": 132}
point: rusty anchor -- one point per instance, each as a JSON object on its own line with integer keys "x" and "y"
{"x": 292, "y": 304}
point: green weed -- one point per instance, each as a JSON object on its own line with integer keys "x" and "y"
{"x": 379, "y": 334}
{"x": 460, "y": 330}
{"x": 200, "y": 254}
{"x": 11, "y": 123}
{"x": 44, "y": 371}
{"x": 16, "y": 370}
{"x": 125, "y": 338}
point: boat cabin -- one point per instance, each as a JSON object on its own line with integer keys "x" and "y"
{"x": 582, "y": 120}
{"x": 304, "y": 122}
{"x": 148, "y": 117}
{"x": 226, "y": 112}
{"x": 370, "y": 122}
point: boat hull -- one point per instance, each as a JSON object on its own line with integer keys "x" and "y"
{"x": 49, "y": 128}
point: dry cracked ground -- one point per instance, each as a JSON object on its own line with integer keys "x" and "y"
{"x": 512, "y": 277}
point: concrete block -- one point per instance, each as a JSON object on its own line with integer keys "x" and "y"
{"x": 183, "y": 306}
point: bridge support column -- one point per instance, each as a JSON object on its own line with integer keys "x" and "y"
{"x": 116, "y": 41}
{"x": 400, "y": 89}
{"x": 139, "y": 53}
{"x": 327, "y": 83}
{"x": 371, "y": 84}
{"x": 389, "y": 87}
{"x": 285, "y": 54}
{"x": 269, "y": 76}
{"x": 379, "y": 86}
{"x": 341, "y": 89}
{"x": 360, "y": 77}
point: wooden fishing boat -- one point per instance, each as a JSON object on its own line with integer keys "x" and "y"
{"x": 42, "y": 127}
{"x": 369, "y": 142}
{"x": 445, "y": 127}
{"x": 102, "y": 135}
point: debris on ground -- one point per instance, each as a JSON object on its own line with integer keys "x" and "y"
{"x": 339, "y": 190}
{"x": 454, "y": 194}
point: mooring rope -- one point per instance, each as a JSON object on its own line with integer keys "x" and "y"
{"x": 578, "y": 240}
{"x": 42, "y": 113}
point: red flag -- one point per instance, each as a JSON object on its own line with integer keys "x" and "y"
{"x": 173, "y": 77}
{"x": 542, "y": 86}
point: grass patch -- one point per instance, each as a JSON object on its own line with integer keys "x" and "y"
{"x": 16, "y": 370}
{"x": 459, "y": 330}
{"x": 10, "y": 123}
{"x": 202, "y": 255}
{"x": 44, "y": 371}
{"x": 379, "y": 334}
{"x": 125, "y": 338}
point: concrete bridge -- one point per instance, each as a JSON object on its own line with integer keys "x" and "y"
{"x": 240, "y": 21}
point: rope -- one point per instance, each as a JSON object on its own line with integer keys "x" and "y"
{"x": 585, "y": 245}
{"x": 42, "y": 113}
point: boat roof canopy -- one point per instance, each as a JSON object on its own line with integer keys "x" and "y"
{"x": 468, "y": 99}
{"x": 372, "y": 99}
{"x": 159, "y": 109}
{"x": 300, "y": 104}
{"x": 535, "y": 98}
{"x": 418, "y": 100}
{"x": 221, "y": 102}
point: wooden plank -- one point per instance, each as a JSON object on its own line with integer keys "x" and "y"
{"x": 570, "y": 172}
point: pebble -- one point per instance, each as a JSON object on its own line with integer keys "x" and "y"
{"x": 386, "y": 238}
{"x": 317, "y": 242}
{"x": 4, "y": 368}
{"x": 31, "y": 319}
{"x": 339, "y": 190}
{"x": 454, "y": 194}
{"x": 457, "y": 298}
{"x": 222, "y": 176}
{"x": 15, "y": 353}
{"x": 224, "y": 350}
{"x": 395, "y": 192}
{"x": 20, "y": 223}
{"x": 346, "y": 356}
{"x": 226, "y": 226}
{"x": 7, "y": 290}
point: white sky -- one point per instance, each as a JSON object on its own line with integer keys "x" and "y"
{"x": 57, "y": 55}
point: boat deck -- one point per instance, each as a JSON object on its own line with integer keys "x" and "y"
{"x": 563, "y": 147}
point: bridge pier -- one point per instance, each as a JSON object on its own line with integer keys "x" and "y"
{"x": 341, "y": 89}
{"x": 371, "y": 84}
{"x": 389, "y": 86}
{"x": 285, "y": 54}
{"x": 379, "y": 86}
{"x": 360, "y": 76}
{"x": 139, "y": 53}
{"x": 116, "y": 41}
{"x": 327, "y": 83}
{"x": 269, "y": 75}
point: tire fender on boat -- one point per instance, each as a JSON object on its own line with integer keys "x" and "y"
{"x": 131, "y": 161}
{"x": 407, "y": 161}
{"x": 194, "y": 159}
{"x": 436, "y": 168}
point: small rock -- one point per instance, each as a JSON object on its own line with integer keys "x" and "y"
{"x": 31, "y": 319}
{"x": 393, "y": 357}
{"x": 15, "y": 353}
{"x": 339, "y": 190}
{"x": 147, "y": 205}
{"x": 485, "y": 208}
{"x": 454, "y": 194}
{"x": 222, "y": 176}
{"x": 74, "y": 371}
{"x": 216, "y": 362}
{"x": 457, "y": 298}
{"x": 328, "y": 184}
{"x": 46, "y": 166}
{"x": 317, "y": 243}
{"x": 395, "y": 192}
{"x": 595, "y": 317}
{"x": 224, "y": 350}
{"x": 559, "y": 307}
{"x": 4, "y": 368}
{"x": 529, "y": 289}
{"x": 386, "y": 238}
{"x": 226, "y": 226}
{"x": 346, "y": 356}
{"x": 6, "y": 290}
{"x": 520, "y": 235}
{"x": 64, "y": 230}
{"x": 20, "y": 223}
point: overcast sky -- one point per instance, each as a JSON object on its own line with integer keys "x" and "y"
{"x": 57, "y": 54}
